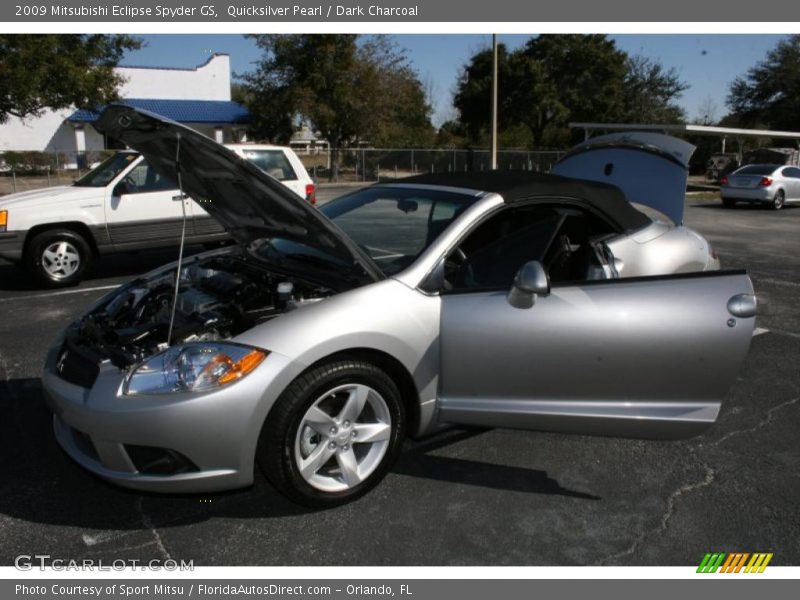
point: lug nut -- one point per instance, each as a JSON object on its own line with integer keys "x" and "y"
{"x": 334, "y": 430}
{"x": 354, "y": 433}
{"x": 345, "y": 448}
{"x": 347, "y": 424}
{"x": 332, "y": 445}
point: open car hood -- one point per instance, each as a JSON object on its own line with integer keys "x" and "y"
{"x": 249, "y": 203}
{"x": 650, "y": 168}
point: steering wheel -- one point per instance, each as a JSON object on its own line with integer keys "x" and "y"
{"x": 456, "y": 263}
{"x": 130, "y": 184}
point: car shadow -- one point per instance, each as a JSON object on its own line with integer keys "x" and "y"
{"x": 40, "y": 484}
{"x": 417, "y": 461}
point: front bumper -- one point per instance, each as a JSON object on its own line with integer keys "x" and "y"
{"x": 217, "y": 432}
{"x": 11, "y": 245}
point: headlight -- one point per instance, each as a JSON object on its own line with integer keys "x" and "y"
{"x": 193, "y": 368}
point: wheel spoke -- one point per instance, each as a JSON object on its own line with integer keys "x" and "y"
{"x": 371, "y": 432}
{"x": 50, "y": 255}
{"x": 315, "y": 461}
{"x": 319, "y": 420}
{"x": 349, "y": 467}
{"x": 354, "y": 404}
{"x": 62, "y": 248}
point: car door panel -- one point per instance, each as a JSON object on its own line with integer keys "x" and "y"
{"x": 147, "y": 214}
{"x": 646, "y": 356}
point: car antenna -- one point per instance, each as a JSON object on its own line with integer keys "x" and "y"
{"x": 180, "y": 198}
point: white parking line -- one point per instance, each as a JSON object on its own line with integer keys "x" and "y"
{"x": 62, "y": 293}
{"x": 760, "y": 331}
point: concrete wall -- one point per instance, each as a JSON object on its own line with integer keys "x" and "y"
{"x": 209, "y": 81}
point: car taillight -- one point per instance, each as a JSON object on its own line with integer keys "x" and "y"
{"x": 724, "y": 180}
{"x": 765, "y": 181}
{"x": 311, "y": 193}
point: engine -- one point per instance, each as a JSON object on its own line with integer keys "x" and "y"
{"x": 219, "y": 297}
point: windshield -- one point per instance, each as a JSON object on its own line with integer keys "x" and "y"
{"x": 395, "y": 225}
{"x": 107, "y": 170}
{"x": 757, "y": 170}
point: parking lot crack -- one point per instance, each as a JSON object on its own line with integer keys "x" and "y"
{"x": 709, "y": 475}
{"x": 708, "y": 478}
{"x": 148, "y": 523}
{"x": 762, "y": 423}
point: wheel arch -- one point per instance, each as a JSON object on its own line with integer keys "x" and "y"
{"x": 75, "y": 226}
{"x": 393, "y": 368}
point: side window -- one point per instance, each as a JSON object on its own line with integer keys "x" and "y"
{"x": 566, "y": 240}
{"x": 272, "y": 162}
{"x": 792, "y": 172}
{"x": 144, "y": 178}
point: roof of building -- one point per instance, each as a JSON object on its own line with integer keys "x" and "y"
{"x": 516, "y": 186}
{"x": 151, "y": 67}
{"x": 182, "y": 111}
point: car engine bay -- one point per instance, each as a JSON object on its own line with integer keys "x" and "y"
{"x": 219, "y": 297}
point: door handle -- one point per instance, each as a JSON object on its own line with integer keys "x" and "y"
{"x": 742, "y": 305}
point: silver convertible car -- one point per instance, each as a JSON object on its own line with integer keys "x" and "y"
{"x": 321, "y": 340}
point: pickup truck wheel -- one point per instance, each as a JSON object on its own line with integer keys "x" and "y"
{"x": 58, "y": 257}
{"x": 333, "y": 433}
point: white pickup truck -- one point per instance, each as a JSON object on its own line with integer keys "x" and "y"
{"x": 121, "y": 205}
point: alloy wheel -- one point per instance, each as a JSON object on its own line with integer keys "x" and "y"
{"x": 343, "y": 437}
{"x": 61, "y": 259}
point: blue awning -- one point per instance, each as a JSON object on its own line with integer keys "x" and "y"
{"x": 182, "y": 111}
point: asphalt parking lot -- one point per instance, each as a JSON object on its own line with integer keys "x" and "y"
{"x": 466, "y": 497}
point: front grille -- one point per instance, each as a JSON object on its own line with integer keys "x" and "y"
{"x": 76, "y": 367}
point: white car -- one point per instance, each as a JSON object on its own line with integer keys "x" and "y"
{"x": 123, "y": 204}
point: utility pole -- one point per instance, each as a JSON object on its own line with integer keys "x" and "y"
{"x": 494, "y": 101}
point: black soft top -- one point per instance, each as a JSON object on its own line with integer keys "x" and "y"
{"x": 517, "y": 186}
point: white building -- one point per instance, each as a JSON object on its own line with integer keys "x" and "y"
{"x": 199, "y": 97}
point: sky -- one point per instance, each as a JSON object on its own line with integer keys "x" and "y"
{"x": 708, "y": 63}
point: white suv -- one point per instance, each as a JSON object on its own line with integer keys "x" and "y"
{"x": 123, "y": 204}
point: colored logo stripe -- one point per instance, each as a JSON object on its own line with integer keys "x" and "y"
{"x": 734, "y": 562}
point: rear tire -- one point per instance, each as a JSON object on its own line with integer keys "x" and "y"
{"x": 728, "y": 202}
{"x": 315, "y": 451}
{"x": 58, "y": 257}
{"x": 778, "y": 200}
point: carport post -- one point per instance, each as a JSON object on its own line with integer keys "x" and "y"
{"x": 14, "y": 180}
{"x": 723, "y": 144}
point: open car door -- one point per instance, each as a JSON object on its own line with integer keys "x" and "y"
{"x": 641, "y": 357}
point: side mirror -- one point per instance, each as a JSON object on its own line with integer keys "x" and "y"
{"x": 531, "y": 281}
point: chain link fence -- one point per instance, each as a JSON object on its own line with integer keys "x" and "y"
{"x": 376, "y": 164}
{"x": 24, "y": 171}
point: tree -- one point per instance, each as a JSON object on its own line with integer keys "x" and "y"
{"x": 770, "y": 92}
{"x": 349, "y": 92}
{"x": 555, "y": 79}
{"x": 650, "y": 91}
{"x": 38, "y": 72}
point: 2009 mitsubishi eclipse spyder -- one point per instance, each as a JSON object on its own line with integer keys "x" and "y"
{"x": 321, "y": 340}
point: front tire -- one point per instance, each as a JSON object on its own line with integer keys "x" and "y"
{"x": 58, "y": 257}
{"x": 778, "y": 200}
{"x": 333, "y": 433}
